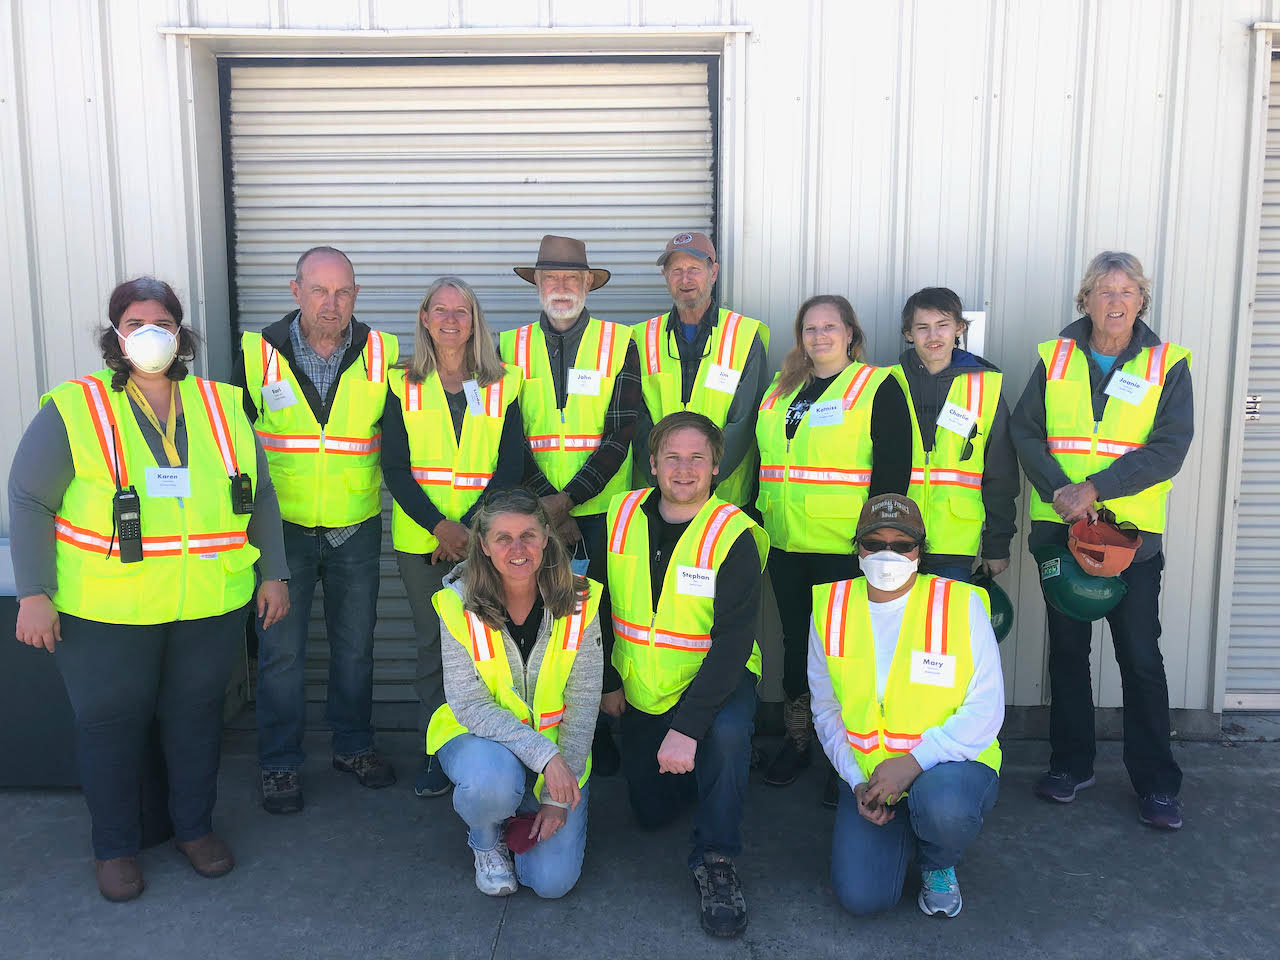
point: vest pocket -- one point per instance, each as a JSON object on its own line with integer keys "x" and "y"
{"x": 362, "y": 479}
{"x": 965, "y": 507}
{"x": 832, "y": 505}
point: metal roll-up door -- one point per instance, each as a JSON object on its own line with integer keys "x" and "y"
{"x": 1253, "y": 658}
{"x": 424, "y": 169}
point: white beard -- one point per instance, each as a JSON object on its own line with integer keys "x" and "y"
{"x": 568, "y": 313}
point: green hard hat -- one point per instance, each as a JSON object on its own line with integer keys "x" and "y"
{"x": 999, "y": 607}
{"x": 1070, "y": 590}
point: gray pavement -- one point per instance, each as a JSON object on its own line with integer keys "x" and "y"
{"x": 385, "y": 874}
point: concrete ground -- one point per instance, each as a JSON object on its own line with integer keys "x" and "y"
{"x": 385, "y": 874}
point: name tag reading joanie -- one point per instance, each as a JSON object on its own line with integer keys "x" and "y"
{"x": 935, "y": 669}
{"x": 696, "y": 581}
{"x": 1127, "y": 387}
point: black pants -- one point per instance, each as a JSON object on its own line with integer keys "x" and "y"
{"x": 794, "y": 576}
{"x": 1135, "y": 630}
{"x": 119, "y": 679}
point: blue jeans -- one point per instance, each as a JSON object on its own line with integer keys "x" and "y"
{"x": 491, "y": 784}
{"x": 941, "y": 816}
{"x": 718, "y": 784}
{"x": 349, "y": 573}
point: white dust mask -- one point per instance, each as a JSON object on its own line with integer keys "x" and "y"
{"x": 887, "y": 570}
{"x": 150, "y": 348}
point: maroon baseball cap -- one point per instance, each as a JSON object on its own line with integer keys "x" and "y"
{"x": 894, "y": 511}
{"x": 698, "y": 244}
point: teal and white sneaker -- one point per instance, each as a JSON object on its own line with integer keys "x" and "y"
{"x": 940, "y": 892}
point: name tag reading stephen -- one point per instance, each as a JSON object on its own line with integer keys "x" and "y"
{"x": 935, "y": 669}
{"x": 696, "y": 581}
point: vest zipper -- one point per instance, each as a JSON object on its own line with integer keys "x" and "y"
{"x": 186, "y": 556}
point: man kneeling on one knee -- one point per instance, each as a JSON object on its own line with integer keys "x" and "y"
{"x": 684, "y": 573}
{"x": 907, "y": 696}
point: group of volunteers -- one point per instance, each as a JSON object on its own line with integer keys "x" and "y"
{"x": 583, "y": 514}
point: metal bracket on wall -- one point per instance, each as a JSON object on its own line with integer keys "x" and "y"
{"x": 1253, "y": 407}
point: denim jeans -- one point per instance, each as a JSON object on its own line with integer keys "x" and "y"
{"x": 941, "y": 816}
{"x": 718, "y": 783}
{"x": 422, "y": 579}
{"x": 121, "y": 677}
{"x": 1135, "y": 630}
{"x": 592, "y": 528}
{"x": 491, "y": 784}
{"x": 349, "y": 573}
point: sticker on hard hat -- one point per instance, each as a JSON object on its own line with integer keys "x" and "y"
{"x": 1051, "y": 568}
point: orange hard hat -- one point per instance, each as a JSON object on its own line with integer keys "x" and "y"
{"x": 1101, "y": 548}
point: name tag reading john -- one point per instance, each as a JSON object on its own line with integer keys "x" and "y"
{"x": 1127, "y": 387}
{"x": 696, "y": 581}
{"x": 724, "y": 379}
{"x": 828, "y": 413}
{"x": 957, "y": 419}
{"x": 168, "y": 482}
{"x": 278, "y": 395}
{"x": 584, "y": 382}
{"x": 471, "y": 389}
{"x": 935, "y": 669}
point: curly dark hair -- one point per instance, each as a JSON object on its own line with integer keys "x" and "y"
{"x": 139, "y": 290}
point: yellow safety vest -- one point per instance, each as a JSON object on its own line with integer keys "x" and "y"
{"x": 1082, "y": 446}
{"x": 947, "y": 487}
{"x": 813, "y": 486}
{"x": 326, "y": 476}
{"x": 197, "y": 560}
{"x": 935, "y": 627}
{"x": 563, "y": 440}
{"x": 489, "y": 652}
{"x": 452, "y": 472}
{"x": 715, "y": 384}
{"x": 658, "y": 653}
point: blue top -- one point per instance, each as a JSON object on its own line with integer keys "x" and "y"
{"x": 1104, "y": 362}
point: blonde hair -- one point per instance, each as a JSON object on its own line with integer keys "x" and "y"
{"x": 797, "y": 368}
{"x": 1103, "y": 264}
{"x": 481, "y": 356}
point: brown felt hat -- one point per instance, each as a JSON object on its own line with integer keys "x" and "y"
{"x": 697, "y": 244}
{"x": 894, "y": 511}
{"x": 563, "y": 253}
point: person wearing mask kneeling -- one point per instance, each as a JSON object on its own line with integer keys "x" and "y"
{"x": 684, "y": 571}
{"x": 908, "y": 698}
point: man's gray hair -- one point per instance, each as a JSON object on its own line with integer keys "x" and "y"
{"x": 297, "y": 273}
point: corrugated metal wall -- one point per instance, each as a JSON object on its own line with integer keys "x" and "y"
{"x": 990, "y": 145}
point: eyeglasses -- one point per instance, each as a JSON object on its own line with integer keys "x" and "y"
{"x": 897, "y": 546}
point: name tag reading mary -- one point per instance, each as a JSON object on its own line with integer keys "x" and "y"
{"x": 935, "y": 669}
{"x": 696, "y": 581}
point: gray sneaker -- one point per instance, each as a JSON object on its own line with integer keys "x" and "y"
{"x": 940, "y": 892}
{"x": 281, "y": 791}
{"x": 369, "y": 768}
{"x": 722, "y": 908}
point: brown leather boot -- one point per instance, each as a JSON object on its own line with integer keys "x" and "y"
{"x": 209, "y": 855}
{"x": 120, "y": 878}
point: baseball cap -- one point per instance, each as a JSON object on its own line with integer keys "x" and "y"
{"x": 698, "y": 244}
{"x": 894, "y": 511}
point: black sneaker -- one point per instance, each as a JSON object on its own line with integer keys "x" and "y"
{"x": 368, "y": 767}
{"x": 722, "y": 907}
{"x": 281, "y": 791}
{"x": 787, "y": 764}
{"x": 605, "y": 759}
{"x": 432, "y": 781}
{"x": 1061, "y": 787}
{"x": 1160, "y": 810}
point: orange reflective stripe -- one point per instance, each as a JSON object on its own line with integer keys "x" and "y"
{"x": 848, "y": 478}
{"x": 104, "y": 425}
{"x": 548, "y": 442}
{"x": 901, "y": 742}
{"x": 631, "y": 632}
{"x": 412, "y": 396}
{"x": 974, "y": 386}
{"x": 1155, "y": 363}
{"x": 270, "y": 362}
{"x": 863, "y": 742}
{"x": 353, "y": 445}
{"x": 653, "y": 356}
{"x": 1070, "y": 444}
{"x": 771, "y": 400}
{"x": 1116, "y": 448}
{"x": 605, "y": 350}
{"x": 857, "y": 385}
{"x": 837, "y": 610}
{"x": 481, "y": 642}
{"x": 575, "y": 626}
{"x": 440, "y": 476}
{"x": 1061, "y": 357}
{"x": 218, "y": 419}
{"x": 523, "y": 357}
{"x": 953, "y": 478}
{"x": 493, "y": 399}
{"x": 622, "y": 522}
{"x": 692, "y": 642}
{"x": 548, "y": 720}
{"x": 582, "y": 441}
{"x": 471, "y": 481}
{"x": 96, "y": 542}
{"x": 935, "y": 633}
{"x": 711, "y": 533}
{"x": 216, "y": 542}
{"x": 730, "y": 340}
{"x": 772, "y": 472}
{"x": 290, "y": 442}
{"x": 377, "y": 369}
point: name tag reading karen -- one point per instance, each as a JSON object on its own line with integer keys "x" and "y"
{"x": 724, "y": 379}
{"x": 828, "y": 413}
{"x": 168, "y": 482}
{"x": 584, "y": 382}
{"x": 696, "y": 581}
{"x": 1127, "y": 387}
{"x": 957, "y": 419}
{"x": 278, "y": 395}
{"x": 935, "y": 669}
{"x": 471, "y": 389}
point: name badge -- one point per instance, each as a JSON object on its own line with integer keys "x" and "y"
{"x": 957, "y": 419}
{"x": 278, "y": 395}
{"x": 724, "y": 379}
{"x": 584, "y": 382}
{"x": 935, "y": 669}
{"x": 1127, "y": 387}
{"x": 696, "y": 581}
{"x": 828, "y": 413}
{"x": 168, "y": 482}
{"x": 472, "y": 391}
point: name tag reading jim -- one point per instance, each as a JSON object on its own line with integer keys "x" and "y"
{"x": 1127, "y": 387}
{"x": 471, "y": 389}
{"x": 585, "y": 382}
{"x": 696, "y": 581}
{"x": 828, "y": 413}
{"x": 935, "y": 669}
{"x": 724, "y": 379}
{"x": 957, "y": 419}
{"x": 278, "y": 395}
{"x": 168, "y": 482}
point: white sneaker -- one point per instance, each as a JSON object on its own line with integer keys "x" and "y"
{"x": 495, "y": 873}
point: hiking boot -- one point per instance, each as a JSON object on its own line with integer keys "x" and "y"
{"x": 281, "y": 791}
{"x": 495, "y": 873}
{"x": 831, "y": 792}
{"x": 605, "y": 759}
{"x": 209, "y": 855}
{"x": 119, "y": 879}
{"x": 1061, "y": 787}
{"x": 368, "y": 767}
{"x": 1160, "y": 810}
{"x": 787, "y": 764}
{"x": 432, "y": 781}
{"x": 940, "y": 892}
{"x": 722, "y": 907}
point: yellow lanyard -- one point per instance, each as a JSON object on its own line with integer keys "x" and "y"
{"x": 169, "y": 430}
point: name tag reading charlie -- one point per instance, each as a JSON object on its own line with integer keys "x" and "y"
{"x": 957, "y": 419}
{"x": 1127, "y": 387}
{"x": 168, "y": 482}
{"x": 696, "y": 581}
{"x": 278, "y": 395}
{"x": 471, "y": 389}
{"x": 585, "y": 382}
{"x": 935, "y": 669}
{"x": 724, "y": 379}
{"x": 828, "y": 413}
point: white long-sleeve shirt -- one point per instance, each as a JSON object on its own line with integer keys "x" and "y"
{"x": 962, "y": 736}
